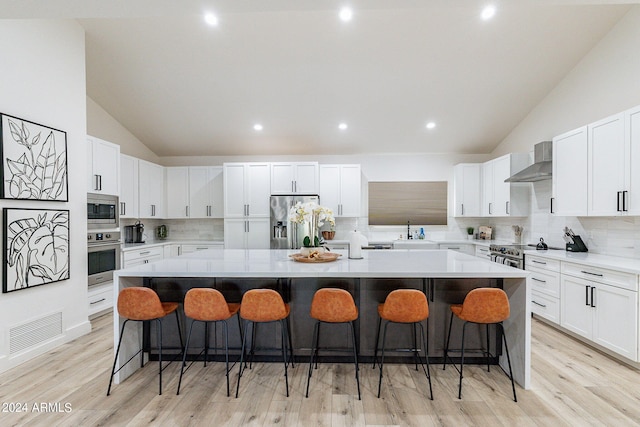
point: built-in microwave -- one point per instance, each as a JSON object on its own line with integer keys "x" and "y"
{"x": 102, "y": 211}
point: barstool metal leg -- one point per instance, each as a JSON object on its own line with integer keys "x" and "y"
{"x": 355, "y": 357}
{"x": 426, "y": 354}
{"x": 446, "y": 347}
{"x": 115, "y": 359}
{"x": 488, "y": 349}
{"x": 184, "y": 355}
{"x": 290, "y": 343}
{"x": 244, "y": 342}
{"x": 513, "y": 386}
{"x": 159, "y": 335}
{"x": 375, "y": 349}
{"x": 384, "y": 340}
{"x": 206, "y": 343}
{"x": 464, "y": 328}
{"x": 415, "y": 345}
{"x": 284, "y": 354}
{"x": 225, "y": 330}
{"x": 314, "y": 346}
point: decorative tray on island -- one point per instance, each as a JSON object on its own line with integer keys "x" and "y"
{"x": 316, "y": 257}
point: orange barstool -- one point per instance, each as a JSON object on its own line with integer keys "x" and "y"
{"x": 331, "y": 305}
{"x": 408, "y": 306}
{"x": 208, "y": 305}
{"x": 140, "y": 304}
{"x": 483, "y": 306}
{"x": 265, "y": 306}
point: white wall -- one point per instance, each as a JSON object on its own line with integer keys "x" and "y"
{"x": 102, "y": 125}
{"x": 43, "y": 80}
{"x": 604, "y": 82}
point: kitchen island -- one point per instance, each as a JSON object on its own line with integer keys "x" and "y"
{"x": 445, "y": 276}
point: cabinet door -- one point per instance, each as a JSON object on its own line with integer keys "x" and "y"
{"x": 234, "y": 185}
{"x": 606, "y": 170}
{"x": 616, "y": 320}
{"x": 128, "y": 187}
{"x": 570, "y": 173}
{"x": 151, "y": 190}
{"x": 467, "y": 189}
{"x": 177, "y": 192}
{"x": 575, "y": 312}
{"x": 501, "y": 189}
{"x": 330, "y": 187}
{"x": 282, "y": 178}
{"x": 105, "y": 167}
{"x": 258, "y": 189}
{"x": 235, "y": 231}
{"x": 199, "y": 192}
{"x": 350, "y": 191}
{"x": 488, "y": 205}
{"x": 306, "y": 178}
{"x": 258, "y": 234}
{"x": 216, "y": 192}
{"x": 632, "y": 138}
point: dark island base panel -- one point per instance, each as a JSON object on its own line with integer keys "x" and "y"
{"x": 367, "y": 293}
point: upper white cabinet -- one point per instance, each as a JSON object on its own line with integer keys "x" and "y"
{"x": 128, "y": 186}
{"x": 632, "y": 139}
{"x": 246, "y": 190}
{"x": 177, "y": 184}
{"x": 501, "y": 198}
{"x": 607, "y": 166}
{"x": 103, "y": 159}
{"x": 294, "y": 178}
{"x": 467, "y": 189}
{"x": 151, "y": 190}
{"x": 206, "y": 192}
{"x": 340, "y": 189}
{"x": 569, "y": 193}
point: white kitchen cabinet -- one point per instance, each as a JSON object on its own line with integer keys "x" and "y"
{"x": 100, "y": 298}
{"x": 545, "y": 289}
{"x": 601, "y": 312}
{"x": 247, "y": 190}
{"x": 171, "y": 250}
{"x": 190, "y": 248}
{"x": 570, "y": 160}
{"x": 103, "y": 160}
{"x": 206, "y": 192}
{"x": 151, "y": 190}
{"x": 501, "y": 198}
{"x": 246, "y": 233}
{"x": 607, "y": 157}
{"x": 177, "y": 186}
{"x": 294, "y": 178}
{"x": 632, "y": 139}
{"x": 128, "y": 186}
{"x": 341, "y": 189}
{"x": 465, "y": 248}
{"x": 144, "y": 255}
{"x": 483, "y": 252}
{"x": 467, "y": 189}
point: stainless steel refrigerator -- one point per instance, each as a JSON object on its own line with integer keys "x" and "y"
{"x": 286, "y": 235}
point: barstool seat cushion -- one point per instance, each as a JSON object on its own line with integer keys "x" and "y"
{"x": 483, "y": 305}
{"x": 208, "y": 305}
{"x": 334, "y": 306}
{"x": 138, "y": 303}
{"x": 263, "y": 305}
{"x": 404, "y": 306}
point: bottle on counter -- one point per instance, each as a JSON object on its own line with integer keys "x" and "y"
{"x": 415, "y": 234}
{"x": 421, "y": 235}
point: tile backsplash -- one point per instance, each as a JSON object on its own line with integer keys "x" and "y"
{"x": 182, "y": 229}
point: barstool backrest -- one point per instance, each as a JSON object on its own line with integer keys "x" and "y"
{"x": 206, "y": 304}
{"x": 138, "y": 303}
{"x": 333, "y": 305}
{"x": 485, "y": 305}
{"x": 262, "y": 305}
{"x": 405, "y": 306}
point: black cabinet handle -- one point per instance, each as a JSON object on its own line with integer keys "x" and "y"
{"x": 538, "y": 262}
{"x": 593, "y": 304}
{"x": 551, "y": 205}
{"x": 537, "y": 303}
{"x": 624, "y": 201}
{"x": 618, "y": 201}
{"x": 593, "y": 274}
{"x": 538, "y": 280}
{"x": 96, "y": 302}
{"x": 586, "y": 295}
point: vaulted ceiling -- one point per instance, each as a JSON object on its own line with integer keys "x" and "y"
{"x": 186, "y": 88}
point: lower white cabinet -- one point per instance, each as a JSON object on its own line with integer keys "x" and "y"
{"x": 483, "y": 252}
{"x": 189, "y": 248}
{"x": 100, "y": 298}
{"x": 142, "y": 256}
{"x": 545, "y": 287}
{"x": 465, "y": 248}
{"x": 244, "y": 233}
{"x": 605, "y": 314}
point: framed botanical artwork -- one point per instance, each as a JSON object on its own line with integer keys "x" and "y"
{"x": 34, "y": 161}
{"x": 35, "y": 247}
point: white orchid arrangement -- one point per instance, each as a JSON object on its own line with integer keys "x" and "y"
{"x": 314, "y": 214}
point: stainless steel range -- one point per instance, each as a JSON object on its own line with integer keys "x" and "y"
{"x": 511, "y": 255}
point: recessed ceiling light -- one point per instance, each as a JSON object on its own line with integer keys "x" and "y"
{"x": 346, "y": 14}
{"x": 257, "y": 127}
{"x": 431, "y": 125}
{"x": 211, "y": 19}
{"x": 488, "y": 12}
{"x": 343, "y": 126}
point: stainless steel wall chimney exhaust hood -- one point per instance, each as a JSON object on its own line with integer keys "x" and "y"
{"x": 540, "y": 169}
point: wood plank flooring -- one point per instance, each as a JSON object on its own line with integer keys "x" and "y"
{"x": 573, "y": 384}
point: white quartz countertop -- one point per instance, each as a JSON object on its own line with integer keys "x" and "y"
{"x": 277, "y": 263}
{"x": 628, "y": 265}
{"x": 153, "y": 243}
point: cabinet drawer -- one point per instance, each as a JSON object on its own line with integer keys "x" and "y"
{"x": 143, "y": 253}
{"x": 538, "y": 262}
{"x": 545, "y": 306}
{"x": 614, "y": 278}
{"x": 546, "y": 282}
{"x": 483, "y": 252}
{"x": 100, "y": 299}
{"x": 194, "y": 248}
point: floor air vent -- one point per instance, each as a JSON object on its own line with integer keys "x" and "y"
{"x": 35, "y": 332}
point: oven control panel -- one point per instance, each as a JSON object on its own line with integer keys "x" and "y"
{"x": 103, "y": 237}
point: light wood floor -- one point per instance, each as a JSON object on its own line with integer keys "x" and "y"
{"x": 572, "y": 385}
